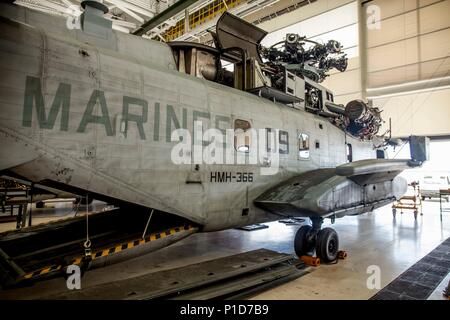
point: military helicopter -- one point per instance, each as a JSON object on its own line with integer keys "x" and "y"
{"x": 204, "y": 137}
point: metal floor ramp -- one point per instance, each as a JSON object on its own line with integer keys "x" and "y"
{"x": 231, "y": 277}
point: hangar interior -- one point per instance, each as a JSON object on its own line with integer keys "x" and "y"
{"x": 398, "y": 61}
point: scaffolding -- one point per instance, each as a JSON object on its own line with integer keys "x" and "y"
{"x": 200, "y": 16}
{"x": 411, "y": 201}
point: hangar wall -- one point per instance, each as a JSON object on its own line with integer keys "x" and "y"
{"x": 410, "y": 48}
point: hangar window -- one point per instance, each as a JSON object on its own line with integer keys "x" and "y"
{"x": 242, "y": 135}
{"x": 303, "y": 146}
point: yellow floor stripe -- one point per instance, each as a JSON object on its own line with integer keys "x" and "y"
{"x": 105, "y": 252}
{"x": 46, "y": 270}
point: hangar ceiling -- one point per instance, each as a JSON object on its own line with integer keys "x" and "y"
{"x": 186, "y": 19}
{"x": 127, "y": 15}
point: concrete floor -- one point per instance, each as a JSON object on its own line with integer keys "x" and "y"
{"x": 370, "y": 239}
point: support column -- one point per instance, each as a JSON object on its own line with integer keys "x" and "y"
{"x": 186, "y": 21}
{"x": 362, "y": 45}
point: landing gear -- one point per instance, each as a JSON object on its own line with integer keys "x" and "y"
{"x": 327, "y": 245}
{"x": 325, "y": 242}
{"x": 303, "y": 245}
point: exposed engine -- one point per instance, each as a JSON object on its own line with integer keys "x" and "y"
{"x": 313, "y": 63}
{"x": 359, "y": 119}
{"x": 290, "y": 57}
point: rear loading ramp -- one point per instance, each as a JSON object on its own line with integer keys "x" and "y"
{"x": 46, "y": 250}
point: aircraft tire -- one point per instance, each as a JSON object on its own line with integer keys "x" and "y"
{"x": 327, "y": 245}
{"x": 302, "y": 246}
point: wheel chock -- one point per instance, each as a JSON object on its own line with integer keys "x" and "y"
{"x": 310, "y": 261}
{"x": 342, "y": 254}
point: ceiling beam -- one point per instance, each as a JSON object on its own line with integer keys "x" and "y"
{"x": 131, "y": 13}
{"x": 163, "y": 16}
